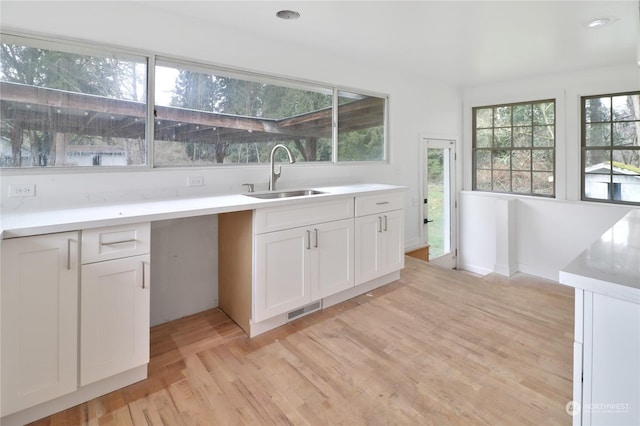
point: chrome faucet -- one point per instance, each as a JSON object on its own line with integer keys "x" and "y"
{"x": 273, "y": 177}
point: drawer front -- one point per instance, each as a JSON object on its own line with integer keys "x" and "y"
{"x": 115, "y": 242}
{"x": 302, "y": 214}
{"x": 372, "y": 204}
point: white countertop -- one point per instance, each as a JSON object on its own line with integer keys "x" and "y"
{"x": 611, "y": 265}
{"x": 22, "y": 224}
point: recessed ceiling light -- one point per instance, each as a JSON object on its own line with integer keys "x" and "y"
{"x": 288, "y": 14}
{"x": 599, "y": 22}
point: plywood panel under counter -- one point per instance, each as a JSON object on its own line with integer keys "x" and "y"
{"x": 235, "y": 238}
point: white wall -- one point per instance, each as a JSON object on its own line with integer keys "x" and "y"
{"x": 415, "y": 107}
{"x": 549, "y": 232}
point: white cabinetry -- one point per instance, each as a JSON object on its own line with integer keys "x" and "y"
{"x": 115, "y": 301}
{"x": 379, "y": 236}
{"x": 39, "y": 319}
{"x": 277, "y": 263}
{"x": 296, "y": 266}
{"x": 607, "y": 380}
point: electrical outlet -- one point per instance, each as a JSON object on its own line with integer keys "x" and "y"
{"x": 195, "y": 181}
{"x": 22, "y": 190}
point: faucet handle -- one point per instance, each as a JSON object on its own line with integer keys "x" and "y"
{"x": 249, "y": 186}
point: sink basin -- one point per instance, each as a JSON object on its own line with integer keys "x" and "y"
{"x": 285, "y": 194}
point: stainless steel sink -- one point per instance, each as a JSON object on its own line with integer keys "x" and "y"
{"x": 285, "y": 194}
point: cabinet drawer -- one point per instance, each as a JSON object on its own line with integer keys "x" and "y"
{"x": 115, "y": 242}
{"x": 303, "y": 214}
{"x": 372, "y": 204}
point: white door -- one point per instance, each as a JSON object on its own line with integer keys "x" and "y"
{"x": 114, "y": 320}
{"x": 282, "y": 272}
{"x": 332, "y": 255}
{"x": 39, "y": 319}
{"x": 439, "y": 208}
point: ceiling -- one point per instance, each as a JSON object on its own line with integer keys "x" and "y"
{"x": 460, "y": 42}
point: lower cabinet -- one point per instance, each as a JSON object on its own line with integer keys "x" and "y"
{"x": 66, "y": 326}
{"x": 379, "y": 245}
{"x": 39, "y": 319}
{"x": 300, "y": 265}
{"x": 607, "y": 380}
{"x": 114, "y": 317}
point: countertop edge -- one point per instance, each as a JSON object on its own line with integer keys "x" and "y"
{"x": 14, "y": 225}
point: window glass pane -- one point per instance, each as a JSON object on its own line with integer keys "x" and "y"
{"x": 484, "y": 138}
{"x": 484, "y": 118}
{"x": 522, "y": 115}
{"x": 626, "y": 133}
{"x": 597, "y": 161}
{"x": 63, "y": 107}
{"x": 626, "y": 107}
{"x": 597, "y": 110}
{"x": 543, "y": 136}
{"x": 626, "y": 161}
{"x": 543, "y": 183}
{"x": 521, "y": 182}
{"x": 544, "y": 113}
{"x": 361, "y": 133}
{"x": 501, "y": 159}
{"x": 502, "y": 180}
{"x": 203, "y": 118}
{"x": 483, "y": 159}
{"x": 522, "y": 136}
{"x": 597, "y": 134}
{"x": 542, "y": 159}
{"x": 502, "y": 116}
{"x": 483, "y": 180}
{"x": 521, "y": 159}
{"x": 502, "y": 137}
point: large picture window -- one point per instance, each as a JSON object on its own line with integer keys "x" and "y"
{"x": 514, "y": 148}
{"x": 72, "y": 105}
{"x": 64, "y": 106}
{"x": 611, "y": 148}
{"x": 205, "y": 117}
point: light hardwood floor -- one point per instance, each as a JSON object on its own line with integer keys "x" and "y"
{"x": 436, "y": 347}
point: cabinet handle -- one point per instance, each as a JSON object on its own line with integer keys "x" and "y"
{"x": 385, "y": 223}
{"x": 379, "y": 224}
{"x": 118, "y": 242}
{"x": 316, "y": 231}
{"x": 308, "y": 240}
{"x": 144, "y": 277}
{"x": 69, "y": 254}
{"x": 382, "y": 203}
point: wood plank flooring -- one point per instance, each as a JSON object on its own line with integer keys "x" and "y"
{"x": 436, "y": 347}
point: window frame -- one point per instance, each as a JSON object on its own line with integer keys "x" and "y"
{"x": 511, "y": 149}
{"x": 89, "y": 47}
{"x": 611, "y": 147}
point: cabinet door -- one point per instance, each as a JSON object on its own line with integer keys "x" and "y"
{"x": 392, "y": 244}
{"x": 114, "y": 321}
{"x": 281, "y": 272}
{"x": 332, "y": 256}
{"x": 367, "y": 248}
{"x": 39, "y": 319}
{"x": 379, "y": 245}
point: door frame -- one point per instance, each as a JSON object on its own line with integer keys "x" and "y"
{"x": 455, "y": 180}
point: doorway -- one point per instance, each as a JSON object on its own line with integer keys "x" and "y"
{"x": 439, "y": 201}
